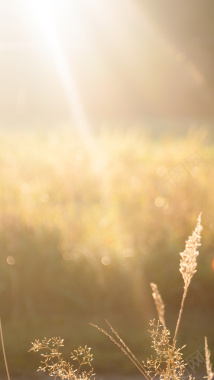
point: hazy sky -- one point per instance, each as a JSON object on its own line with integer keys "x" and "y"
{"x": 99, "y": 60}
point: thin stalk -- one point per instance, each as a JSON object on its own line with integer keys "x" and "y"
{"x": 180, "y": 314}
{"x": 176, "y": 330}
{"x": 3, "y": 349}
{"x": 125, "y": 346}
{"x": 125, "y": 350}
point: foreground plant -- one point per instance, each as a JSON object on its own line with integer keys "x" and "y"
{"x": 56, "y": 366}
{"x": 168, "y": 363}
{"x": 3, "y": 349}
{"x": 210, "y": 374}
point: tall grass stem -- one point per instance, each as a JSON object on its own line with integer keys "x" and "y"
{"x": 4, "y": 353}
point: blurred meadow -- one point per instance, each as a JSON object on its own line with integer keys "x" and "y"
{"x": 83, "y": 232}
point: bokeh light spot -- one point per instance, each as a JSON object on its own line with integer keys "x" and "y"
{"x": 11, "y": 260}
{"x": 159, "y": 202}
{"x": 106, "y": 260}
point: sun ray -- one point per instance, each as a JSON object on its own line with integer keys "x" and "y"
{"x": 44, "y": 16}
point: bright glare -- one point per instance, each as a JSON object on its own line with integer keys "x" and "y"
{"x": 45, "y": 13}
{"x": 90, "y": 61}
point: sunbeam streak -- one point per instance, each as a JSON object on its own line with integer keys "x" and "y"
{"x": 42, "y": 12}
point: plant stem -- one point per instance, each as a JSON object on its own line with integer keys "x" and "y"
{"x": 176, "y": 329}
{"x": 2, "y": 342}
{"x": 180, "y": 314}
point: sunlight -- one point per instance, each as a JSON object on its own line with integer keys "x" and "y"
{"x": 45, "y": 13}
{"x": 102, "y": 51}
{"x": 105, "y": 53}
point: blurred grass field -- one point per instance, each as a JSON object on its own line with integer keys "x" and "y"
{"x": 86, "y": 226}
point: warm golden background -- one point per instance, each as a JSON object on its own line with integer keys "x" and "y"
{"x": 106, "y": 161}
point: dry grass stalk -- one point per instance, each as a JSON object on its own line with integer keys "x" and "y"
{"x": 188, "y": 261}
{"x": 210, "y": 374}
{"x": 159, "y": 304}
{"x": 4, "y": 353}
{"x": 124, "y": 348}
{"x": 188, "y": 265}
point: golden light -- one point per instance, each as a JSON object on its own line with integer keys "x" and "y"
{"x": 212, "y": 264}
{"x": 112, "y": 61}
{"x": 44, "y": 13}
{"x": 93, "y": 52}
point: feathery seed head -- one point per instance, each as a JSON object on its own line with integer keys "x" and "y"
{"x": 210, "y": 374}
{"x": 188, "y": 261}
{"x": 159, "y": 304}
